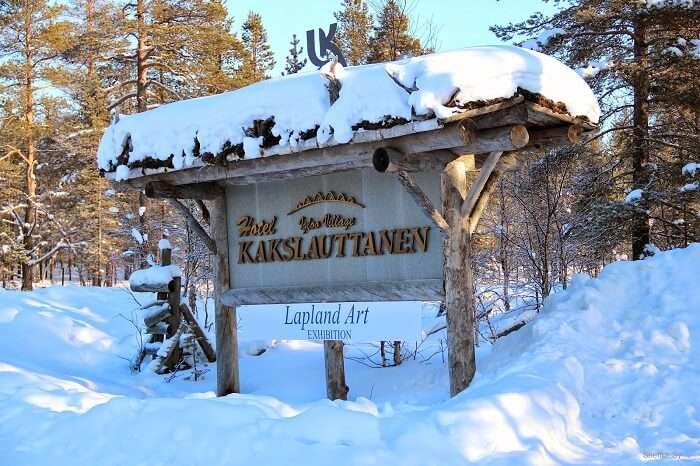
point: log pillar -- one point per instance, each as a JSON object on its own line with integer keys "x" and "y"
{"x": 173, "y": 296}
{"x": 458, "y": 279}
{"x": 336, "y": 389}
{"x": 227, "y": 377}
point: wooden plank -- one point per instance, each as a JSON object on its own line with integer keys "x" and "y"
{"x": 459, "y": 297}
{"x": 547, "y": 117}
{"x": 227, "y": 373}
{"x": 336, "y": 388}
{"x": 407, "y": 290}
{"x": 422, "y": 200}
{"x": 478, "y": 185}
{"x": 477, "y": 112}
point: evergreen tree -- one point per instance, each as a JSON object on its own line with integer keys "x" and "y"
{"x": 258, "y": 60}
{"x": 32, "y": 38}
{"x": 354, "y": 29}
{"x": 294, "y": 63}
{"x": 631, "y": 55}
{"x": 392, "y": 38}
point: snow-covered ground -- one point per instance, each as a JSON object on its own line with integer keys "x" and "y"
{"x": 606, "y": 374}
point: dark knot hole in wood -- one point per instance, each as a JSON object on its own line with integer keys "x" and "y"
{"x": 381, "y": 159}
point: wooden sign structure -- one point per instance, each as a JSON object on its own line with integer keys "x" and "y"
{"x": 446, "y": 168}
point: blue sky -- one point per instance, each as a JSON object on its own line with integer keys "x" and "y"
{"x": 462, "y": 22}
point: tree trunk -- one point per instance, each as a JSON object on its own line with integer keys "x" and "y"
{"x": 30, "y": 178}
{"x": 640, "y": 147}
{"x": 141, "y": 56}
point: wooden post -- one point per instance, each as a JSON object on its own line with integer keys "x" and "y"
{"x": 336, "y": 389}
{"x": 459, "y": 295}
{"x": 227, "y": 377}
{"x": 173, "y": 297}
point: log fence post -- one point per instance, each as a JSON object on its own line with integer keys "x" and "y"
{"x": 227, "y": 373}
{"x": 336, "y": 388}
{"x": 458, "y": 279}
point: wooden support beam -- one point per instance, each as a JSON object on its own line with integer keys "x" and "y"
{"x": 163, "y": 190}
{"x": 199, "y": 334}
{"x": 513, "y": 115}
{"x": 460, "y": 136}
{"x": 227, "y": 374}
{"x": 506, "y": 163}
{"x": 558, "y": 136}
{"x": 405, "y": 290}
{"x": 194, "y": 224}
{"x": 459, "y": 292}
{"x": 505, "y": 139}
{"x": 336, "y": 388}
{"x": 390, "y": 160}
{"x": 475, "y": 190}
{"x": 422, "y": 200}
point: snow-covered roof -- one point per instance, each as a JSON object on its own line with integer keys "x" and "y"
{"x": 333, "y": 105}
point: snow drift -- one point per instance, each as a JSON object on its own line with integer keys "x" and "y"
{"x": 606, "y": 374}
{"x": 436, "y": 85}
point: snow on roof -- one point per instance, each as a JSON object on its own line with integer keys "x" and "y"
{"x": 296, "y": 108}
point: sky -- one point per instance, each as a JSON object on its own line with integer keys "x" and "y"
{"x": 461, "y": 23}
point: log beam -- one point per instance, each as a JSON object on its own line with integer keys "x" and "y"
{"x": 460, "y": 136}
{"x": 459, "y": 293}
{"x": 227, "y": 374}
{"x": 475, "y": 190}
{"x": 505, "y": 139}
{"x": 154, "y": 287}
{"x": 423, "y": 201}
{"x": 194, "y": 225}
{"x": 199, "y": 334}
{"x": 506, "y": 163}
{"x": 558, "y": 136}
{"x": 390, "y": 160}
{"x": 163, "y": 190}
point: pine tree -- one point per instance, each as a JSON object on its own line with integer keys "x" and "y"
{"x": 294, "y": 63}
{"x": 354, "y": 29}
{"x": 258, "y": 60}
{"x": 627, "y": 50}
{"x": 392, "y": 38}
{"x": 32, "y": 38}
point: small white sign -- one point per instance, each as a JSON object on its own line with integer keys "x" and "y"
{"x": 352, "y": 321}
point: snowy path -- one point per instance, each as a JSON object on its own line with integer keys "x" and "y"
{"x": 607, "y": 372}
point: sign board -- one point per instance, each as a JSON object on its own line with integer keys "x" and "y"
{"x": 360, "y": 321}
{"x": 351, "y": 227}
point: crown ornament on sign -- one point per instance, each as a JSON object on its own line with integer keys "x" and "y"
{"x": 321, "y": 197}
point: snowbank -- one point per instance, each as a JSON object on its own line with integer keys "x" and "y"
{"x": 604, "y": 375}
{"x": 369, "y": 94}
